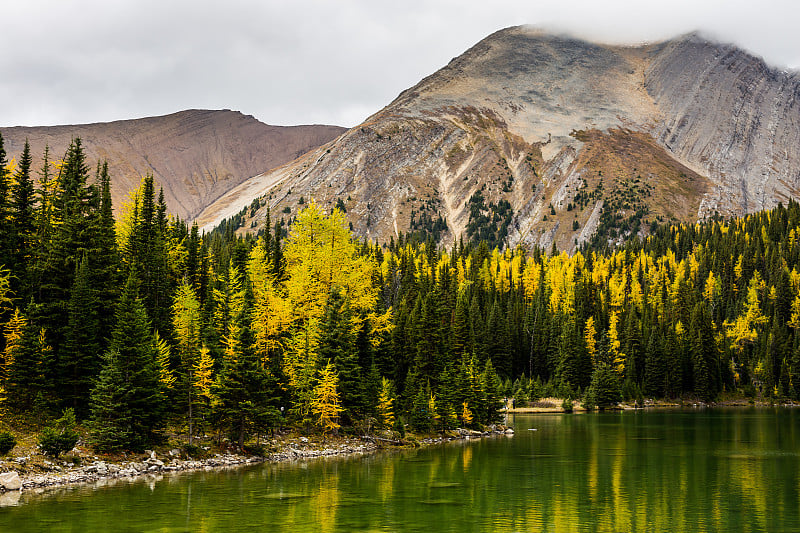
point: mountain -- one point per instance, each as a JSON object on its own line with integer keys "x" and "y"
{"x": 195, "y": 155}
{"x": 534, "y": 139}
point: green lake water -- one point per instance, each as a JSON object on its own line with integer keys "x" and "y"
{"x": 688, "y": 470}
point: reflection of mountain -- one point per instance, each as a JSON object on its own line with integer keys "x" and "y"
{"x": 195, "y": 155}
{"x": 562, "y": 138}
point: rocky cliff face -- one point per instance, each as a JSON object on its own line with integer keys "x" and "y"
{"x": 537, "y": 139}
{"x": 195, "y": 155}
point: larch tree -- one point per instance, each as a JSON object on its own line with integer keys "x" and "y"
{"x": 186, "y": 327}
{"x": 326, "y": 405}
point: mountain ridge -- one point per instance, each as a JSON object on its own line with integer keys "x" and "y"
{"x": 195, "y": 155}
{"x": 515, "y": 118}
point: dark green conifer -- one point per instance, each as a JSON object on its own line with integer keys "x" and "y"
{"x": 703, "y": 350}
{"x": 337, "y": 345}
{"x": 80, "y": 360}
{"x": 655, "y": 368}
{"x": 127, "y": 402}
{"x": 22, "y": 213}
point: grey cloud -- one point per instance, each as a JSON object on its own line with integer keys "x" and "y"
{"x": 308, "y": 61}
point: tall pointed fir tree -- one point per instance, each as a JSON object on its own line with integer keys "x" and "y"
{"x": 22, "y": 212}
{"x": 336, "y": 345}
{"x": 127, "y": 402}
{"x": 80, "y": 360}
{"x": 246, "y": 393}
{"x": 146, "y": 253}
{"x": 74, "y": 214}
{"x": 6, "y": 233}
{"x": 703, "y": 350}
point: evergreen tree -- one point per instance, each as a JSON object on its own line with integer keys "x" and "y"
{"x": 491, "y": 390}
{"x": 6, "y": 229}
{"x": 74, "y": 203}
{"x": 245, "y": 392}
{"x": 655, "y": 368}
{"x": 26, "y": 383}
{"x": 604, "y": 390}
{"x": 704, "y": 353}
{"x": 22, "y": 213}
{"x": 337, "y": 346}
{"x": 127, "y": 401}
{"x": 79, "y": 362}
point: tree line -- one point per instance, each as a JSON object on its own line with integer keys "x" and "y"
{"x": 142, "y": 322}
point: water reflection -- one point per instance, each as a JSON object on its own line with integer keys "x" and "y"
{"x": 734, "y": 470}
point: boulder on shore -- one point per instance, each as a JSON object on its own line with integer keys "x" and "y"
{"x": 10, "y": 481}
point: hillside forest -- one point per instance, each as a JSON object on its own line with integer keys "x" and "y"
{"x": 141, "y": 323}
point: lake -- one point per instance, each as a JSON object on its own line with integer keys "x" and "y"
{"x": 663, "y": 470}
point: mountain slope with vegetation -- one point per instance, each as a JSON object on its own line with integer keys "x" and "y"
{"x": 580, "y": 141}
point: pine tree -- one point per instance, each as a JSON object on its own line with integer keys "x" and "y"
{"x": 127, "y": 401}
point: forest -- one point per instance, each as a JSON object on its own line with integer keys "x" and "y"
{"x": 140, "y": 324}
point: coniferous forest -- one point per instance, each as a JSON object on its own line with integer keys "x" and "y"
{"x": 141, "y": 323}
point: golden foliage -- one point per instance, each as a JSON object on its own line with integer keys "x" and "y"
{"x": 326, "y": 404}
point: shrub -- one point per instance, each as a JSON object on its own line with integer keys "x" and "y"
{"x": 7, "y": 442}
{"x": 59, "y": 437}
{"x": 566, "y": 405}
{"x": 191, "y": 450}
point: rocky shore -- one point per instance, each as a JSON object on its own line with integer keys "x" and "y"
{"x": 36, "y": 473}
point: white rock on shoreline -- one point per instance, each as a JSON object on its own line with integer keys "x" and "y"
{"x": 100, "y": 471}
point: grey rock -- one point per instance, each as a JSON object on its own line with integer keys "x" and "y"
{"x": 10, "y": 481}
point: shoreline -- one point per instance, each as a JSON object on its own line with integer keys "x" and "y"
{"x": 59, "y": 474}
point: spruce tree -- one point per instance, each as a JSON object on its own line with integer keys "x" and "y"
{"x": 491, "y": 390}
{"x": 127, "y": 402}
{"x": 6, "y": 233}
{"x": 22, "y": 213}
{"x": 80, "y": 361}
{"x": 337, "y": 345}
{"x": 703, "y": 351}
{"x": 604, "y": 390}
{"x": 246, "y": 394}
{"x": 655, "y": 367}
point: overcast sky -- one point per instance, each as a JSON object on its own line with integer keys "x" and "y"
{"x": 307, "y": 62}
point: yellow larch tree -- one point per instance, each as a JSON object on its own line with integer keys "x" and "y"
{"x": 163, "y": 356}
{"x": 590, "y": 336}
{"x": 13, "y": 335}
{"x": 614, "y": 344}
{"x": 326, "y": 404}
{"x": 744, "y": 329}
{"x": 386, "y": 404}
